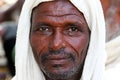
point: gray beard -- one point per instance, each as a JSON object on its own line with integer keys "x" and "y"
{"x": 73, "y": 72}
{"x": 62, "y": 75}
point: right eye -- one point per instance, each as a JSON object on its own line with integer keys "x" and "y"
{"x": 42, "y": 29}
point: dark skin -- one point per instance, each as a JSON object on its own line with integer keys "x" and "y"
{"x": 59, "y": 39}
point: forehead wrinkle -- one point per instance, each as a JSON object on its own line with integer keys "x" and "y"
{"x": 58, "y": 13}
{"x": 67, "y": 16}
{"x": 65, "y": 20}
{"x": 62, "y": 15}
{"x": 58, "y": 9}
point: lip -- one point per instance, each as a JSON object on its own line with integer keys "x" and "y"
{"x": 57, "y": 57}
{"x": 57, "y": 61}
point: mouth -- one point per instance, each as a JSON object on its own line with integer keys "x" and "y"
{"x": 57, "y": 62}
{"x": 57, "y": 59}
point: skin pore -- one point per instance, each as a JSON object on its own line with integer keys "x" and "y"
{"x": 59, "y": 39}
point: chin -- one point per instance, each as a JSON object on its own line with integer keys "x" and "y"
{"x": 59, "y": 72}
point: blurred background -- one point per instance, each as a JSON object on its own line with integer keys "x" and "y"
{"x": 9, "y": 16}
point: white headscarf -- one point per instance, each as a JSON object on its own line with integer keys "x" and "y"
{"x": 113, "y": 59}
{"x": 26, "y": 66}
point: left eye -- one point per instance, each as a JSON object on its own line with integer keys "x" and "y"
{"x": 73, "y": 29}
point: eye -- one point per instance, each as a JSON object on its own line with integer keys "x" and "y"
{"x": 73, "y": 29}
{"x": 43, "y": 28}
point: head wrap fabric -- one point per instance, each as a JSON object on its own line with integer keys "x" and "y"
{"x": 26, "y": 66}
{"x": 113, "y": 59}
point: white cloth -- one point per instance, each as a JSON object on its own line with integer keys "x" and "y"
{"x": 26, "y": 66}
{"x": 113, "y": 60}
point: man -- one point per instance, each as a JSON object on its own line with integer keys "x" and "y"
{"x": 60, "y": 40}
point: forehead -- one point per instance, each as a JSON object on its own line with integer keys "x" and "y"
{"x": 56, "y": 8}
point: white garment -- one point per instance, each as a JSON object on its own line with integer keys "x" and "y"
{"x": 113, "y": 61}
{"x": 26, "y": 66}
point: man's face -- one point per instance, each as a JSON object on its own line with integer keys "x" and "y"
{"x": 59, "y": 39}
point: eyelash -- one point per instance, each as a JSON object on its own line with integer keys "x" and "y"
{"x": 75, "y": 28}
{"x": 43, "y": 29}
{"x": 70, "y": 29}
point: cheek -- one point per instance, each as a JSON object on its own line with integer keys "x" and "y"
{"x": 79, "y": 44}
{"x": 38, "y": 44}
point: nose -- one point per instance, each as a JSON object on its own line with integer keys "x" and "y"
{"x": 57, "y": 41}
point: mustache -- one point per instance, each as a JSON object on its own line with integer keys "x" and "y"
{"x": 61, "y": 52}
{"x": 55, "y": 52}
